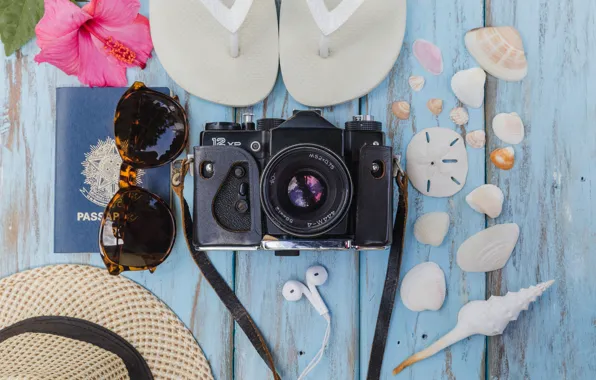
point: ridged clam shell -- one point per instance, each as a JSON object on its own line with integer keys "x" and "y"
{"x": 499, "y": 50}
{"x": 417, "y": 83}
{"x": 476, "y": 139}
{"x": 509, "y": 127}
{"x": 401, "y": 110}
{"x": 432, "y": 228}
{"x": 503, "y": 158}
{"x": 435, "y": 106}
{"x": 489, "y": 249}
{"x": 468, "y": 86}
{"x": 487, "y": 199}
{"x": 423, "y": 287}
{"x": 459, "y": 116}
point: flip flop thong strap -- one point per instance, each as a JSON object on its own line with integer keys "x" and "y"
{"x": 230, "y": 18}
{"x": 330, "y": 21}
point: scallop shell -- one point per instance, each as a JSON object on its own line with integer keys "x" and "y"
{"x": 468, "y": 86}
{"x": 435, "y": 106}
{"x": 432, "y": 228}
{"x": 503, "y": 158}
{"x": 509, "y": 127}
{"x": 401, "y": 110}
{"x": 459, "y": 116}
{"x": 429, "y": 56}
{"x": 437, "y": 162}
{"x": 476, "y": 139}
{"x": 487, "y": 199}
{"x": 423, "y": 287}
{"x": 417, "y": 83}
{"x": 500, "y": 51}
{"x": 488, "y": 250}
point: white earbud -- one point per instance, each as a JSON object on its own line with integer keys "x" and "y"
{"x": 293, "y": 291}
{"x": 315, "y": 276}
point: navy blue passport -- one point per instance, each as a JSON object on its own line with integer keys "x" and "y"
{"x": 88, "y": 166}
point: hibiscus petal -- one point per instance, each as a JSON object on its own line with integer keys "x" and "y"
{"x": 97, "y": 69}
{"x": 135, "y": 36}
{"x": 62, "y": 52}
{"x": 61, "y": 17}
{"x": 113, "y": 12}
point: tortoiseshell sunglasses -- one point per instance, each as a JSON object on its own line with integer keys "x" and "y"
{"x": 138, "y": 228}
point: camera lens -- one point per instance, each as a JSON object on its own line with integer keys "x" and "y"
{"x": 306, "y": 190}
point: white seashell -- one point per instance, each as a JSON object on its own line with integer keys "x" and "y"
{"x": 503, "y": 158}
{"x": 489, "y": 249}
{"x": 476, "y": 139}
{"x": 432, "y": 228}
{"x": 500, "y": 51}
{"x": 401, "y": 110}
{"x": 468, "y": 86}
{"x": 435, "y": 106}
{"x": 417, "y": 83}
{"x": 487, "y": 199}
{"x": 488, "y": 318}
{"x": 509, "y": 127}
{"x": 459, "y": 116}
{"x": 437, "y": 162}
{"x": 423, "y": 288}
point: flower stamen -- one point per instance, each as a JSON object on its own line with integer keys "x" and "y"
{"x": 118, "y": 50}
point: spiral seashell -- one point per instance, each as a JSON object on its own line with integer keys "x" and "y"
{"x": 401, "y": 110}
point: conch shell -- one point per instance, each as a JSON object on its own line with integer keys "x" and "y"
{"x": 488, "y": 318}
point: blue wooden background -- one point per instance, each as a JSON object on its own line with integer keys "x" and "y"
{"x": 549, "y": 193}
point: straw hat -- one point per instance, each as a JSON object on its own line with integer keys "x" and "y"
{"x": 78, "y": 322}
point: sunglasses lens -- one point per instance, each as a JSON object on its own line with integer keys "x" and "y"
{"x": 151, "y": 128}
{"x": 137, "y": 230}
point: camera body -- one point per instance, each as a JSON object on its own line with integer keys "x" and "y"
{"x": 296, "y": 184}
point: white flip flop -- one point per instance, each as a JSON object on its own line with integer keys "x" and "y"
{"x": 331, "y": 57}
{"x": 225, "y": 54}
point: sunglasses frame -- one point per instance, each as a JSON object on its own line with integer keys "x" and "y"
{"x": 128, "y": 180}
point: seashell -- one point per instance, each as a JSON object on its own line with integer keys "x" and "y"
{"x": 459, "y": 116}
{"x": 487, "y": 199}
{"x": 503, "y": 158}
{"x": 401, "y": 110}
{"x": 423, "y": 288}
{"x": 500, "y": 51}
{"x": 468, "y": 86}
{"x": 429, "y": 56}
{"x": 476, "y": 139}
{"x": 488, "y": 318}
{"x": 417, "y": 83}
{"x": 435, "y": 106}
{"x": 437, "y": 162}
{"x": 432, "y": 228}
{"x": 489, "y": 249}
{"x": 509, "y": 127}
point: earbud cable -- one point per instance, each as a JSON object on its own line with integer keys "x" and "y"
{"x": 317, "y": 358}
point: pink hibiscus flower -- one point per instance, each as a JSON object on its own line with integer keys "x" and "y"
{"x": 97, "y": 42}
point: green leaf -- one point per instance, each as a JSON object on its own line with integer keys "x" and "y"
{"x": 17, "y": 22}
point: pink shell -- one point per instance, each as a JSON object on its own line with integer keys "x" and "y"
{"x": 429, "y": 56}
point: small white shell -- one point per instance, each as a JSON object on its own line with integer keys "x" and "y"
{"x": 401, "y": 110}
{"x": 423, "y": 287}
{"x": 488, "y": 250}
{"x": 459, "y": 116}
{"x": 468, "y": 86}
{"x": 435, "y": 106}
{"x": 437, "y": 162}
{"x": 476, "y": 139}
{"x": 487, "y": 199}
{"x": 417, "y": 83}
{"x": 509, "y": 127}
{"x": 432, "y": 228}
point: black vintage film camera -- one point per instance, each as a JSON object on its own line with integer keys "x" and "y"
{"x": 296, "y": 184}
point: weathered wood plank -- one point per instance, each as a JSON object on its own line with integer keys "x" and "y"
{"x": 443, "y": 23}
{"x": 295, "y": 331}
{"x": 550, "y": 191}
{"x": 27, "y": 118}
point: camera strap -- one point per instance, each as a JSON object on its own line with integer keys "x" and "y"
{"x": 239, "y": 312}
